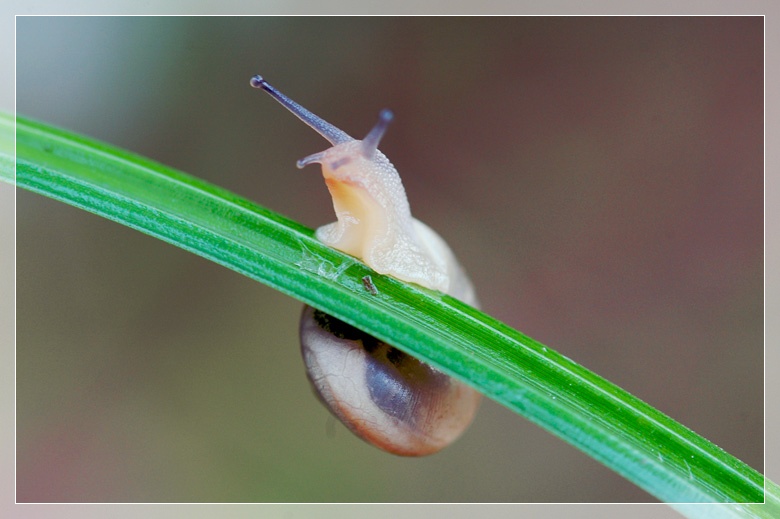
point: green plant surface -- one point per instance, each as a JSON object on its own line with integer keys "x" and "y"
{"x": 647, "y": 447}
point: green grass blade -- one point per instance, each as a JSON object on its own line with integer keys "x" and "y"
{"x": 665, "y": 458}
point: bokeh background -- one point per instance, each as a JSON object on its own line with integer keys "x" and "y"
{"x": 600, "y": 178}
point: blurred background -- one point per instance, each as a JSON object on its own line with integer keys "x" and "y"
{"x": 600, "y": 178}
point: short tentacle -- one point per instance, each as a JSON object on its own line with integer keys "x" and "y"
{"x": 311, "y": 159}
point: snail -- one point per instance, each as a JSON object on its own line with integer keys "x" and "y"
{"x": 385, "y": 396}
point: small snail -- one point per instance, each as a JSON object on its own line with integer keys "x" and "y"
{"x": 385, "y": 396}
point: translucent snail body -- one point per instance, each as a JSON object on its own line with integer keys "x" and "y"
{"x": 385, "y": 396}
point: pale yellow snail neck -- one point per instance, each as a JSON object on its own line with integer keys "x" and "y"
{"x": 374, "y": 222}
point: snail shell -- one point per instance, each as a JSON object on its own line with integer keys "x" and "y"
{"x": 385, "y": 396}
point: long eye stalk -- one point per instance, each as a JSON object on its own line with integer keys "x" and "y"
{"x": 324, "y": 128}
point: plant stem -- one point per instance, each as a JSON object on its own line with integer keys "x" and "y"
{"x": 647, "y": 447}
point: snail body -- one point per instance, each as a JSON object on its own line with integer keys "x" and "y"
{"x": 385, "y": 396}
